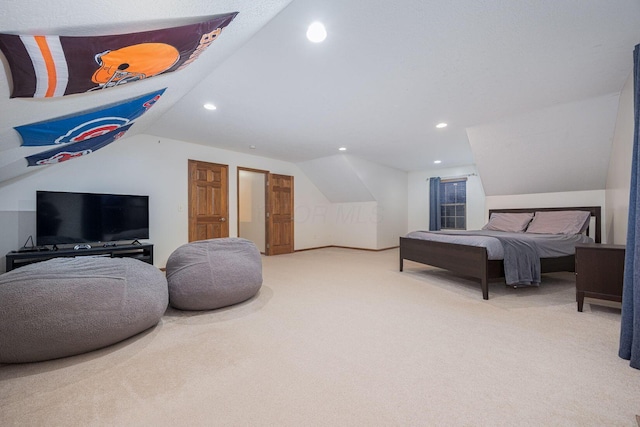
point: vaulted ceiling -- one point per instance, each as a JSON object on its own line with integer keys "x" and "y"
{"x": 520, "y": 83}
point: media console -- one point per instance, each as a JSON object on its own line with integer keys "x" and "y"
{"x": 143, "y": 252}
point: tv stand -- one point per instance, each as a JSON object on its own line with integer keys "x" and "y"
{"x": 141, "y": 251}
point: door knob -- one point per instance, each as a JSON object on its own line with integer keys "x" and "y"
{"x": 223, "y": 219}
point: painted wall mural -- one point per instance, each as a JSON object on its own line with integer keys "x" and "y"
{"x": 51, "y": 66}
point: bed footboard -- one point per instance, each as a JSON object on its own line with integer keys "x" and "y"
{"x": 464, "y": 260}
{"x": 469, "y": 261}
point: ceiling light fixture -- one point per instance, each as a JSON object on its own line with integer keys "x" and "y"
{"x": 209, "y": 106}
{"x": 342, "y": 148}
{"x": 441, "y": 125}
{"x": 316, "y": 32}
{"x": 437, "y": 162}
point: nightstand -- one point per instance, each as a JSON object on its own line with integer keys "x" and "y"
{"x": 599, "y": 272}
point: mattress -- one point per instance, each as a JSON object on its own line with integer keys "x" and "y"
{"x": 548, "y": 245}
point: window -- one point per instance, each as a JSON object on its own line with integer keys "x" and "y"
{"x": 453, "y": 204}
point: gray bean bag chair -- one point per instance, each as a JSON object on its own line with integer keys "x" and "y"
{"x": 68, "y": 306}
{"x": 209, "y": 274}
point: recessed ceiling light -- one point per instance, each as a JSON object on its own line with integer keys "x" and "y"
{"x": 316, "y": 32}
{"x": 342, "y": 148}
{"x": 253, "y": 147}
{"x": 441, "y": 125}
{"x": 437, "y": 162}
{"x": 209, "y": 106}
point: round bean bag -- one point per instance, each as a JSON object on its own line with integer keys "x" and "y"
{"x": 209, "y": 274}
{"x": 67, "y": 306}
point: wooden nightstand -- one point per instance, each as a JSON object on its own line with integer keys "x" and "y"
{"x": 599, "y": 272}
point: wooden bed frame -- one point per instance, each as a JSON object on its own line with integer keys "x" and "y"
{"x": 472, "y": 261}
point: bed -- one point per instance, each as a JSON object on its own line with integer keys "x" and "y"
{"x": 474, "y": 262}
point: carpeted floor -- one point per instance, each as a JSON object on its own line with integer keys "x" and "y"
{"x": 339, "y": 337}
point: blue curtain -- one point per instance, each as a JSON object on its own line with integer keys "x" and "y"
{"x": 434, "y": 204}
{"x": 630, "y": 327}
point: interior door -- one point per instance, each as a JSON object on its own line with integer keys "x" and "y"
{"x": 252, "y": 206}
{"x": 280, "y": 214}
{"x": 208, "y": 200}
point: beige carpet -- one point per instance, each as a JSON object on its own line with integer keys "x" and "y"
{"x": 339, "y": 337}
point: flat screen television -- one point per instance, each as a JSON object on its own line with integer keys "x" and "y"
{"x": 72, "y": 218}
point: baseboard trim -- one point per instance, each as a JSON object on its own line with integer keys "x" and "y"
{"x": 164, "y": 269}
{"x": 312, "y": 249}
{"x": 347, "y": 247}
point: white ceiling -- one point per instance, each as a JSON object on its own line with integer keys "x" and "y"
{"x": 561, "y": 148}
{"x": 387, "y": 73}
{"x": 77, "y": 18}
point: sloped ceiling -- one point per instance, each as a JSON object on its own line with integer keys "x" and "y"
{"x": 90, "y": 18}
{"x": 561, "y": 148}
{"x": 385, "y": 76}
{"x": 337, "y": 179}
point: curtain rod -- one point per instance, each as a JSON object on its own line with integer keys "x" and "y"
{"x": 454, "y": 177}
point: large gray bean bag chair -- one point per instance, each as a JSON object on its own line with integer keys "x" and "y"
{"x": 209, "y": 274}
{"x": 68, "y": 306}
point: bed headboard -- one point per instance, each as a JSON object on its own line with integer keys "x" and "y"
{"x": 595, "y": 214}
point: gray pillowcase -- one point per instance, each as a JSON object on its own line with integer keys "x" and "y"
{"x": 509, "y": 222}
{"x": 560, "y": 222}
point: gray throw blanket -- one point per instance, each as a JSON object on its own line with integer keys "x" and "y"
{"x": 521, "y": 259}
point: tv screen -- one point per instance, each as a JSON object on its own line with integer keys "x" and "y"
{"x": 71, "y": 218}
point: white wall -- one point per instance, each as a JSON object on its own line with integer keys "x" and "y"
{"x": 370, "y": 200}
{"x": 478, "y": 205}
{"x": 389, "y": 188}
{"x": 157, "y": 167}
{"x": 619, "y": 173}
{"x": 418, "y": 195}
{"x": 354, "y": 225}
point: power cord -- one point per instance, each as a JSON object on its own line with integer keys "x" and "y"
{"x": 32, "y": 244}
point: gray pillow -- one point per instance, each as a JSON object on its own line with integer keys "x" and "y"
{"x": 559, "y": 222}
{"x": 509, "y": 222}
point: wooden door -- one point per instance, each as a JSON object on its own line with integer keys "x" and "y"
{"x": 208, "y": 200}
{"x": 280, "y": 230}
